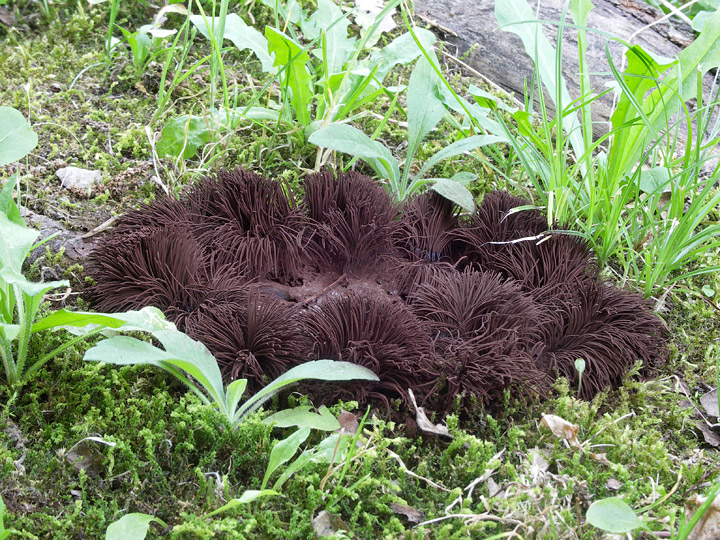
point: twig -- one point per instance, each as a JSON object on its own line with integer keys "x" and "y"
{"x": 631, "y": 413}
{"x": 410, "y": 473}
{"x": 100, "y": 228}
{"x": 476, "y": 518}
{"x": 326, "y": 289}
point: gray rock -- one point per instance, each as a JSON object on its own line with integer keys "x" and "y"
{"x": 79, "y": 181}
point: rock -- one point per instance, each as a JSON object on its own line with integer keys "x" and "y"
{"x": 77, "y": 247}
{"x": 79, "y": 181}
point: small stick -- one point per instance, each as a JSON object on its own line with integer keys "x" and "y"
{"x": 326, "y": 289}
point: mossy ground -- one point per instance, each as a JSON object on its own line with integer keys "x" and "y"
{"x": 175, "y": 458}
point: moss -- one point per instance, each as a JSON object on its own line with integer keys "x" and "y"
{"x": 170, "y": 451}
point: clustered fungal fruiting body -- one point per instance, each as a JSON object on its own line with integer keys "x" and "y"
{"x": 429, "y": 299}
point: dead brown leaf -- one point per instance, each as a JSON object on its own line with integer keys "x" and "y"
{"x": 424, "y": 423}
{"x": 562, "y": 428}
{"x": 348, "y": 422}
{"x": 613, "y": 483}
{"x": 709, "y": 435}
{"x": 84, "y": 457}
{"x": 6, "y": 17}
{"x": 538, "y": 466}
{"x": 327, "y": 524}
{"x": 709, "y": 402}
{"x": 600, "y": 458}
{"x": 412, "y": 515}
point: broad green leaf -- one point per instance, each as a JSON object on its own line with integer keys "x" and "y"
{"x": 322, "y": 370}
{"x": 401, "y": 50}
{"x": 464, "y": 178}
{"x": 81, "y": 319}
{"x": 182, "y": 136}
{"x": 139, "y": 45}
{"x": 513, "y": 17}
{"x": 699, "y": 20}
{"x": 33, "y": 289}
{"x": 654, "y": 180}
{"x": 194, "y": 358}
{"x": 331, "y": 449}
{"x": 350, "y": 140}
{"x": 16, "y": 241}
{"x": 457, "y": 148}
{"x": 148, "y": 319}
{"x": 289, "y": 11}
{"x": 283, "y": 451}
{"x": 294, "y": 58}
{"x": 230, "y": 119}
{"x": 455, "y": 192}
{"x": 9, "y": 331}
{"x": 613, "y": 515}
{"x": 302, "y": 416}
{"x": 131, "y": 527}
{"x": 680, "y": 80}
{"x": 486, "y": 99}
{"x": 579, "y": 9}
{"x": 424, "y": 108}
{"x": 4, "y": 533}
{"x": 480, "y": 115}
{"x": 7, "y": 204}
{"x": 124, "y": 351}
{"x": 234, "y": 393}
{"x": 16, "y": 138}
{"x": 640, "y": 78}
{"x": 347, "y": 139}
{"x": 242, "y": 36}
{"x": 181, "y": 352}
{"x": 247, "y": 497}
{"x": 339, "y": 46}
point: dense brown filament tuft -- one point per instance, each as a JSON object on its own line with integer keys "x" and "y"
{"x": 427, "y": 298}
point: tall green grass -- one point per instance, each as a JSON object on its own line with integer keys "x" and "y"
{"x": 638, "y": 196}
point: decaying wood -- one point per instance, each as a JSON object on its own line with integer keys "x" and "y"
{"x": 471, "y": 32}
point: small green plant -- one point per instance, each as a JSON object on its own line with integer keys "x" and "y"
{"x": 580, "y": 367}
{"x": 425, "y": 109}
{"x": 4, "y": 533}
{"x": 335, "y": 449}
{"x": 132, "y": 527}
{"x": 717, "y": 373}
{"x": 17, "y": 139}
{"x": 20, "y": 299}
{"x": 326, "y": 77}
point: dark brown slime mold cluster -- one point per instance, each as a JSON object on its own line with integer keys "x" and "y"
{"x": 427, "y": 298}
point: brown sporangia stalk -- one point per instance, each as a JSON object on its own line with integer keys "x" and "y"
{"x": 354, "y": 221}
{"x": 446, "y": 304}
{"x": 249, "y": 222}
{"x": 379, "y": 333}
{"x": 257, "y": 336}
{"x": 425, "y": 240}
{"x": 485, "y": 332}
